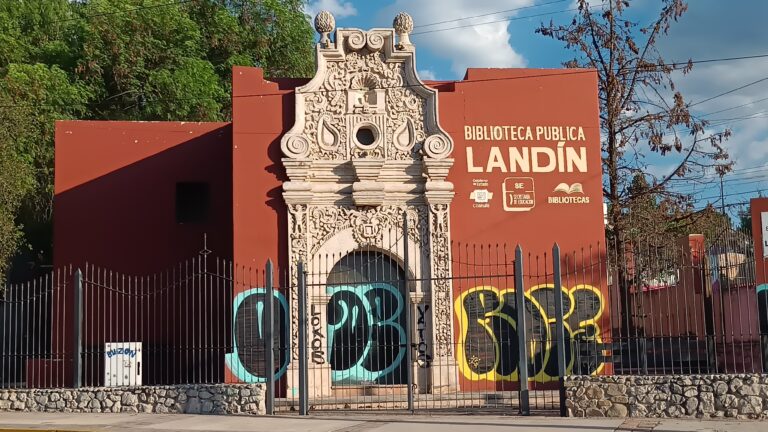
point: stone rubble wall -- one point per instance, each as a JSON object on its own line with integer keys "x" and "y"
{"x": 189, "y": 399}
{"x": 700, "y": 396}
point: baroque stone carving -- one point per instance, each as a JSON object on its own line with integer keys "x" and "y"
{"x": 366, "y": 148}
{"x": 363, "y": 78}
{"x": 441, "y": 273}
{"x": 297, "y": 222}
{"x": 368, "y": 225}
{"x": 404, "y": 136}
{"x": 327, "y": 135}
{"x": 324, "y": 24}
{"x": 403, "y": 24}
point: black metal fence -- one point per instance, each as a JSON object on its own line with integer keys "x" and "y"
{"x": 398, "y": 323}
{"x": 31, "y": 353}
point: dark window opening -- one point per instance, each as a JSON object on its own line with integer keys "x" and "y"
{"x": 365, "y": 136}
{"x": 192, "y": 202}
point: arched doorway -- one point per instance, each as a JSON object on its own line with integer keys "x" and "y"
{"x": 366, "y": 320}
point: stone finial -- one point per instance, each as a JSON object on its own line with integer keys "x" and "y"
{"x": 403, "y": 24}
{"x": 324, "y": 24}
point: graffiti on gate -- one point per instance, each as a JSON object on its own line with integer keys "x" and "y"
{"x": 424, "y": 359}
{"x": 247, "y": 360}
{"x": 366, "y": 335}
{"x": 487, "y": 345}
{"x": 318, "y": 354}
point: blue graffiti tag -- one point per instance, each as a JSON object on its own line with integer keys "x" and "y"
{"x": 247, "y": 358}
{"x": 366, "y": 341}
{"x": 124, "y": 351}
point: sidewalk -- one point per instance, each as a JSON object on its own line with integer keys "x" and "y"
{"x": 355, "y": 423}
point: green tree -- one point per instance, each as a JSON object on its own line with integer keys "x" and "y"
{"x": 745, "y": 221}
{"x": 15, "y": 182}
{"x": 122, "y": 60}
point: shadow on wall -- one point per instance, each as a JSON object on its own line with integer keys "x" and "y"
{"x": 128, "y": 221}
{"x": 147, "y": 212}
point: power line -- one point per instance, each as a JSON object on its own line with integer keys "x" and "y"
{"x": 508, "y": 19}
{"x": 732, "y": 178}
{"x": 720, "y": 122}
{"x": 734, "y": 107}
{"x": 713, "y": 184}
{"x": 729, "y": 91}
{"x": 741, "y": 170}
{"x": 717, "y": 197}
{"x": 737, "y": 177}
{"x": 759, "y": 114}
{"x": 708, "y": 183}
{"x": 489, "y": 14}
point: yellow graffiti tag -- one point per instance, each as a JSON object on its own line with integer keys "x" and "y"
{"x": 492, "y": 302}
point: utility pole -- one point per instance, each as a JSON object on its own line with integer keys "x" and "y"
{"x": 722, "y": 197}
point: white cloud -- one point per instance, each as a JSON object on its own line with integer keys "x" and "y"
{"x": 747, "y": 146}
{"x": 339, "y": 8}
{"x": 485, "y": 45}
{"x": 427, "y": 74}
{"x": 699, "y": 35}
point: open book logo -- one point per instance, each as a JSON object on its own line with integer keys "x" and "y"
{"x": 572, "y": 189}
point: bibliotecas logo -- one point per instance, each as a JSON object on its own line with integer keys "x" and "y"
{"x": 566, "y": 189}
{"x": 572, "y": 189}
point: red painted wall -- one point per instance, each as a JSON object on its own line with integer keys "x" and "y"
{"x": 123, "y": 174}
{"x": 525, "y": 97}
{"x": 115, "y": 181}
{"x": 115, "y": 187}
{"x": 115, "y": 207}
{"x": 495, "y": 112}
{"x": 529, "y": 98}
{"x": 261, "y": 112}
{"x": 264, "y": 110}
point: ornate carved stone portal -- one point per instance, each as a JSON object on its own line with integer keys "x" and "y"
{"x": 365, "y": 150}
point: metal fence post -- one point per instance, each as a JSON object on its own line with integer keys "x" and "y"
{"x": 77, "y": 318}
{"x": 269, "y": 349}
{"x": 559, "y": 330}
{"x": 303, "y": 353}
{"x": 644, "y": 355}
{"x": 522, "y": 342}
{"x": 408, "y": 338}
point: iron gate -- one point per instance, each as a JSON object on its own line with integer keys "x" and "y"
{"x": 378, "y": 329}
{"x": 382, "y": 328}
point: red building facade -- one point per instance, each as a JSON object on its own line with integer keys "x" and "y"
{"x": 328, "y": 166}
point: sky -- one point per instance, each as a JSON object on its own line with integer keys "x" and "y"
{"x": 452, "y": 35}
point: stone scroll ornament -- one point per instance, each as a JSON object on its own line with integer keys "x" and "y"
{"x": 365, "y": 79}
{"x": 365, "y": 125}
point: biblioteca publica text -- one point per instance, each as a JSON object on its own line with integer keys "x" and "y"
{"x": 564, "y": 156}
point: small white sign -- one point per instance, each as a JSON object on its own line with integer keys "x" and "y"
{"x": 764, "y": 224}
{"x": 122, "y": 364}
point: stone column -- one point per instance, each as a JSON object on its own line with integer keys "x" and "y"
{"x": 317, "y": 338}
{"x": 298, "y": 195}
{"x": 421, "y": 335}
{"x": 439, "y": 194}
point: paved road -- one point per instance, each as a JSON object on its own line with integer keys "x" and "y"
{"x": 355, "y": 423}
